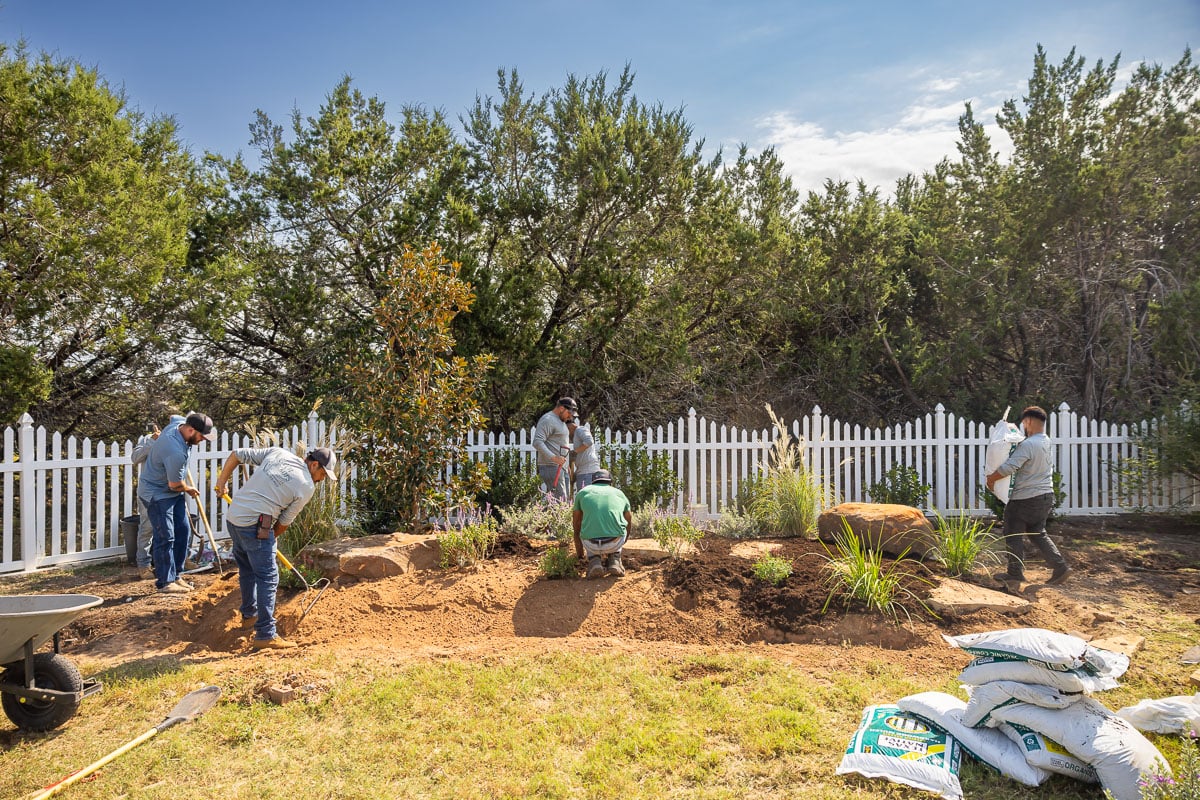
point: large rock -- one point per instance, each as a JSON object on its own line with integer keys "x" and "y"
{"x": 373, "y": 557}
{"x": 888, "y": 527}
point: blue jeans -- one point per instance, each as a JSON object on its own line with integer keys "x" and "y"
{"x": 169, "y": 543}
{"x": 258, "y": 576}
{"x": 583, "y": 479}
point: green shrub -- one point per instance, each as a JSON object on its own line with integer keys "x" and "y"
{"x": 900, "y": 484}
{"x": 787, "y": 499}
{"x": 641, "y": 524}
{"x": 733, "y": 524}
{"x": 514, "y": 482}
{"x": 772, "y": 569}
{"x": 962, "y": 542}
{"x": 858, "y": 573}
{"x": 547, "y": 517}
{"x": 468, "y": 540}
{"x": 558, "y": 562}
{"x": 675, "y": 534}
{"x": 644, "y": 478}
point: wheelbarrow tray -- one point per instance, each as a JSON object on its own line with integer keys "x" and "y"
{"x": 37, "y": 617}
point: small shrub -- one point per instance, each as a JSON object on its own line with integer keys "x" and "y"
{"x": 644, "y": 478}
{"x": 733, "y": 524}
{"x": 290, "y": 581}
{"x": 468, "y": 540}
{"x": 788, "y": 498}
{"x": 772, "y": 569}
{"x": 858, "y": 572}
{"x": 544, "y": 518}
{"x": 641, "y": 526}
{"x": 962, "y": 542}
{"x": 557, "y": 562}
{"x": 900, "y": 484}
{"x": 674, "y": 534}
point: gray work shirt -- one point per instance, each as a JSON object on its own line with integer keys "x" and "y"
{"x": 1031, "y": 466}
{"x": 550, "y": 438}
{"x": 280, "y": 486}
{"x": 586, "y": 461}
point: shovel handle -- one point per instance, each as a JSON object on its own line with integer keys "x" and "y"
{"x": 54, "y": 789}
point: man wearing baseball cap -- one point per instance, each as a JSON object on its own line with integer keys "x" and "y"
{"x": 163, "y": 488}
{"x": 600, "y": 518}
{"x": 550, "y": 442}
{"x": 280, "y": 486}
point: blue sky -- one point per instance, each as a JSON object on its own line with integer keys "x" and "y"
{"x": 843, "y": 90}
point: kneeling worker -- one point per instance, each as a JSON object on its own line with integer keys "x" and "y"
{"x": 600, "y": 519}
{"x": 280, "y": 486}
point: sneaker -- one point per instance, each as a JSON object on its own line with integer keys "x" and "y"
{"x": 175, "y": 588}
{"x": 184, "y": 584}
{"x": 278, "y": 643}
{"x": 1059, "y": 575}
{"x": 595, "y": 568}
{"x": 615, "y": 567}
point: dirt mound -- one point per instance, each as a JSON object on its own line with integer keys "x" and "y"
{"x": 710, "y": 599}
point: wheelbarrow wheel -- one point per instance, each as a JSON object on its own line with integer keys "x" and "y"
{"x": 50, "y": 671}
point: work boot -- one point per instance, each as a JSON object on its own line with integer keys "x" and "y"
{"x": 1008, "y": 577}
{"x": 614, "y": 566}
{"x": 1059, "y": 575}
{"x": 595, "y": 567}
{"x": 278, "y": 643}
{"x": 184, "y": 584}
{"x": 146, "y": 573}
{"x": 175, "y": 588}
{"x": 247, "y": 622}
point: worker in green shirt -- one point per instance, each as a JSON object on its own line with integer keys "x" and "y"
{"x": 600, "y": 518}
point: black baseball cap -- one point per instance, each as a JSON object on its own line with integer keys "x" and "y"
{"x": 326, "y": 458}
{"x": 202, "y": 425}
{"x": 602, "y": 476}
{"x": 568, "y": 403}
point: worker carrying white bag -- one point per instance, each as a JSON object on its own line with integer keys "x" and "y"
{"x": 1004, "y": 437}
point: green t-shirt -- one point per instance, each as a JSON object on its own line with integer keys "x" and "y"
{"x": 603, "y": 508}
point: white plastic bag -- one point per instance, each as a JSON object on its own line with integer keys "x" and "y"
{"x": 1004, "y": 437}
{"x": 1049, "y": 649}
{"x": 987, "y": 696}
{"x": 902, "y": 748}
{"x": 987, "y": 669}
{"x": 988, "y": 746}
{"x": 1115, "y": 749}
{"x": 1179, "y": 714}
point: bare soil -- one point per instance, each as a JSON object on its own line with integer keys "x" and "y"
{"x": 1126, "y": 570}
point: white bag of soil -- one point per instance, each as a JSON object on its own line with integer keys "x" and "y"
{"x": 986, "y": 745}
{"x": 1045, "y": 753}
{"x": 987, "y": 696}
{"x": 1050, "y": 649}
{"x": 1179, "y": 714}
{"x": 1118, "y": 752}
{"x": 987, "y": 669}
{"x": 1004, "y": 437}
{"x": 902, "y": 748}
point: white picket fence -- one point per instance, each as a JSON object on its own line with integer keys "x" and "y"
{"x": 62, "y": 501}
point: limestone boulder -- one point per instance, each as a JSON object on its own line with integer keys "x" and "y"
{"x": 373, "y": 557}
{"x": 952, "y": 598}
{"x": 889, "y": 527}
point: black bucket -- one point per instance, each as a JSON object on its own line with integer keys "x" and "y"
{"x": 128, "y": 527}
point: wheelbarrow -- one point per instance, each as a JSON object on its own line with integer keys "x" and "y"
{"x": 40, "y": 691}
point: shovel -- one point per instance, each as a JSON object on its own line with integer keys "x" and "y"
{"x": 319, "y": 586}
{"x": 212, "y": 542}
{"x": 191, "y": 706}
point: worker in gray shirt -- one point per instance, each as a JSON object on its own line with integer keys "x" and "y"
{"x": 550, "y": 443}
{"x": 1030, "y": 500}
{"x": 584, "y": 452}
{"x": 278, "y": 489}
